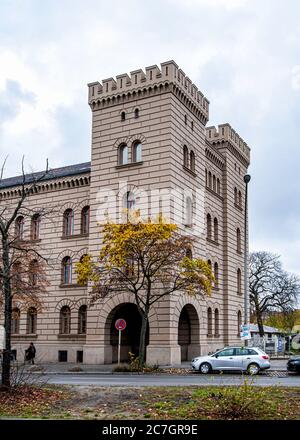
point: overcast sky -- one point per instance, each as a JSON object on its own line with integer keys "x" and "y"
{"x": 244, "y": 55}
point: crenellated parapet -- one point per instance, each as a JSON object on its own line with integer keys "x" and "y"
{"x": 153, "y": 80}
{"x": 225, "y": 133}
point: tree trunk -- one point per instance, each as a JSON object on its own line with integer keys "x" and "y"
{"x": 6, "y": 363}
{"x": 142, "y": 348}
{"x": 260, "y": 324}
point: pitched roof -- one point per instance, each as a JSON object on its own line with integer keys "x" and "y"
{"x": 55, "y": 173}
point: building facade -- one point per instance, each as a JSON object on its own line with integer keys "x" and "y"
{"x": 151, "y": 149}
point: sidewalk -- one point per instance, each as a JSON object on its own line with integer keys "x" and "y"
{"x": 70, "y": 368}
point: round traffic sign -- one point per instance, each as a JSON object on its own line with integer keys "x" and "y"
{"x": 120, "y": 324}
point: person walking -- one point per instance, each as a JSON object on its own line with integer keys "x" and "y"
{"x": 30, "y": 353}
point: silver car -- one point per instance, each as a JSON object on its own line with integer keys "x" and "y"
{"x": 250, "y": 359}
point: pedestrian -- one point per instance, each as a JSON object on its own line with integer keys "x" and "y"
{"x": 30, "y": 353}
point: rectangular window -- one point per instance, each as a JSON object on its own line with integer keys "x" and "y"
{"x": 79, "y": 357}
{"x": 62, "y": 356}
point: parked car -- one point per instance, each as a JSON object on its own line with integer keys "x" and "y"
{"x": 250, "y": 359}
{"x": 293, "y": 365}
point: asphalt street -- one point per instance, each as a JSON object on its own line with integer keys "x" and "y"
{"x": 172, "y": 380}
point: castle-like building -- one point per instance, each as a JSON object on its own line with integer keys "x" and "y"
{"x": 148, "y": 132}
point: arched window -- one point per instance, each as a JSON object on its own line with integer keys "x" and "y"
{"x": 240, "y": 199}
{"x": 238, "y": 241}
{"x": 129, "y": 201}
{"x": 31, "y": 320}
{"x": 19, "y": 227}
{"x": 123, "y": 116}
{"x": 66, "y": 270}
{"x": 68, "y": 223}
{"x": 136, "y": 113}
{"x": 123, "y": 154}
{"x": 137, "y": 152}
{"x": 82, "y": 314}
{"x": 65, "y": 320}
{"x": 218, "y": 186}
{"x": 188, "y": 212}
{"x": 239, "y": 281}
{"x": 209, "y": 322}
{"x": 192, "y": 161}
{"x": 209, "y": 226}
{"x": 189, "y": 253}
{"x": 15, "y": 321}
{"x": 33, "y": 273}
{"x": 236, "y": 196}
{"x": 206, "y": 177}
{"x": 185, "y": 119}
{"x": 209, "y": 180}
{"x": 217, "y": 329}
{"x": 216, "y": 230}
{"x": 192, "y": 126}
{"x": 209, "y": 263}
{"x": 185, "y": 156}
{"x": 216, "y": 274}
{"x": 214, "y": 183}
{"x": 239, "y": 322}
{"x": 85, "y": 220}
{"x": 35, "y": 227}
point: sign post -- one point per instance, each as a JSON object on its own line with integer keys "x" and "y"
{"x": 120, "y": 325}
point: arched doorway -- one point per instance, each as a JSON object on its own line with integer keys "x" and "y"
{"x": 188, "y": 332}
{"x": 130, "y": 336}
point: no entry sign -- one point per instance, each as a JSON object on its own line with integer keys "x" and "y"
{"x": 120, "y": 324}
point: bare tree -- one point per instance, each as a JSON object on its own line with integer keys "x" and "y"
{"x": 22, "y": 266}
{"x": 271, "y": 288}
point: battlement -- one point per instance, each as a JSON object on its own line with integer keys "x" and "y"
{"x": 225, "y": 132}
{"x": 124, "y": 84}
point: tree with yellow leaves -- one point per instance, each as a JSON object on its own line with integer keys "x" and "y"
{"x": 151, "y": 260}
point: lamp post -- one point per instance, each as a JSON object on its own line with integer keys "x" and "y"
{"x": 247, "y": 179}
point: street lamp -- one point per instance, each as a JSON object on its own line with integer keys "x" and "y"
{"x": 247, "y": 179}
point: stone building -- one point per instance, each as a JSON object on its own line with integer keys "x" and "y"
{"x": 148, "y": 132}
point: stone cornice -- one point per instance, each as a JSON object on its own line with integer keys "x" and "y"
{"x": 212, "y": 154}
{"x": 49, "y": 185}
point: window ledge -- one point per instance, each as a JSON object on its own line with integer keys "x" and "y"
{"x": 238, "y": 207}
{"x": 34, "y": 240}
{"x": 71, "y": 336}
{"x": 217, "y": 335}
{"x": 210, "y": 240}
{"x": 24, "y": 336}
{"x": 239, "y": 252}
{"x": 214, "y": 193}
{"x": 210, "y": 335}
{"x": 128, "y": 165}
{"x": 75, "y": 236}
{"x": 72, "y": 286}
{"x": 189, "y": 171}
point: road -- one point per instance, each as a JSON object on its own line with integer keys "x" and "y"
{"x": 172, "y": 380}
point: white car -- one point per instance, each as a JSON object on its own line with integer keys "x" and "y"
{"x": 250, "y": 359}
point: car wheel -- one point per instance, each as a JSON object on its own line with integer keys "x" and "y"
{"x": 253, "y": 369}
{"x": 205, "y": 368}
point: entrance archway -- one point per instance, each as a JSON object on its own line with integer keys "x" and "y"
{"x": 130, "y": 336}
{"x": 188, "y": 331}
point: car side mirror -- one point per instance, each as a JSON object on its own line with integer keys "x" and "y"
{"x": 216, "y": 356}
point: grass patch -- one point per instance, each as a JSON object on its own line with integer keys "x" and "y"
{"x": 245, "y": 402}
{"x": 30, "y": 401}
